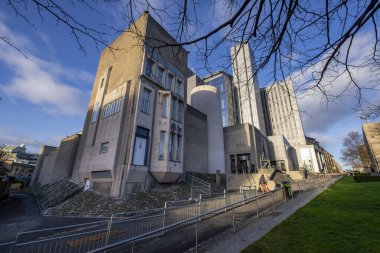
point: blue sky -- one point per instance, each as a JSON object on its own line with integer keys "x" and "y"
{"x": 45, "y": 97}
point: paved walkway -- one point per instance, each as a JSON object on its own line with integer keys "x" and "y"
{"x": 253, "y": 230}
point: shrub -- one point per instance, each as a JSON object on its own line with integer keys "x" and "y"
{"x": 367, "y": 178}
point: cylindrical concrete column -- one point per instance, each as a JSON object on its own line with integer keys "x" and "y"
{"x": 206, "y": 99}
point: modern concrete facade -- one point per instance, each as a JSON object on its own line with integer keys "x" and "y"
{"x": 57, "y": 163}
{"x": 223, "y": 82}
{"x": 371, "y": 136}
{"x": 195, "y": 157}
{"x": 281, "y": 111}
{"x": 206, "y": 99}
{"x": 280, "y": 152}
{"x": 246, "y": 82}
{"x": 133, "y": 133}
{"x": 192, "y": 81}
{"x": 239, "y": 152}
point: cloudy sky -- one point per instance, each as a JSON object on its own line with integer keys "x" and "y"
{"x": 45, "y": 92}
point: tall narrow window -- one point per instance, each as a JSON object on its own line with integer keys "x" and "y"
{"x": 180, "y": 111}
{"x": 140, "y": 153}
{"x": 164, "y": 108}
{"x": 169, "y": 81}
{"x": 149, "y": 68}
{"x": 171, "y": 146}
{"x": 178, "y": 87}
{"x": 174, "y": 112}
{"x": 160, "y": 75}
{"x": 145, "y": 100}
{"x": 178, "y": 149}
{"x": 161, "y": 151}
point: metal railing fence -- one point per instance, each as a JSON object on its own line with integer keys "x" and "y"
{"x": 124, "y": 228}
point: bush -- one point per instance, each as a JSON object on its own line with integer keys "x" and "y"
{"x": 366, "y": 178}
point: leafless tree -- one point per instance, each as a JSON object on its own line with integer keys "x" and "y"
{"x": 290, "y": 38}
{"x": 350, "y": 152}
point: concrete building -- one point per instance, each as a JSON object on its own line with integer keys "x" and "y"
{"x": 364, "y": 157}
{"x": 280, "y": 153}
{"x": 195, "y": 157}
{"x": 192, "y": 81}
{"x": 331, "y": 165}
{"x": 57, "y": 163}
{"x": 281, "y": 111}
{"x": 206, "y": 99}
{"x": 20, "y": 163}
{"x": 133, "y": 132}
{"x": 371, "y": 136}
{"x": 227, "y": 91}
{"x": 246, "y": 82}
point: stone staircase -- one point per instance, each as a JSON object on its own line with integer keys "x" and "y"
{"x": 52, "y": 194}
{"x": 210, "y": 179}
{"x": 234, "y": 181}
{"x": 90, "y": 203}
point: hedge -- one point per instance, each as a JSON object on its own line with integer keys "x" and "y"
{"x": 367, "y": 178}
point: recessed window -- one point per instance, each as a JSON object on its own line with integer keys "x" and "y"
{"x": 112, "y": 108}
{"x": 174, "y": 110}
{"x": 104, "y": 147}
{"x": 149, "y": 68}
{"x": 178, "y": 86}
{"x": 164, "y": 108}
{"x": 161, "y": 151}
{"x": 145, "y": 100}
{"x": 169, "y": 81}
{"x": 160, "y": 75}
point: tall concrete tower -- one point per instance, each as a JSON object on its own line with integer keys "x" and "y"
{"x": 246, "y": 82}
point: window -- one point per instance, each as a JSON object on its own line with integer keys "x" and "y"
{"x": 171, "y": 146}
{"x": 180, "y": 111}
{"x": 102, "y": 82}
{"x": 95, "y": 113}
{"x": 169, "y": 81}
{"x": 178, "y": 151}
{"x": 161, "y": 151}
{"x": 112, "y": 108}
{"x": 178, "y": 87}
{"x": 174, "y": 112}
{"x": 160, "y": 75}
{"x": 164, "y": 108}
{"x": 103, "y": 147}
{"x": 140, "y": 153}
{"x": 149, "y": 68}
{"x": 145, "y": 100}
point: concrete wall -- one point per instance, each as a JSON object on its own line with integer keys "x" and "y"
{"x": 279, "y": 149}
{"x": 196, "y": 141}
{"x": 47, "y": 170}
{"x": 44, "y": 151}
{"x": 371, "y": 134}
{"x": 205, "y": 98}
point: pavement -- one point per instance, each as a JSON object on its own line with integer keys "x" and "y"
{"x": 252, "y": 230}
{"x": 20, "y": 213}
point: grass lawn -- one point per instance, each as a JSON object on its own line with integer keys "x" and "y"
{"x": 343, "y": 218}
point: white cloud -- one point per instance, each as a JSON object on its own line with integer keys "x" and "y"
{"x": 9, "y": 137}
{"x": 39, "y": 81}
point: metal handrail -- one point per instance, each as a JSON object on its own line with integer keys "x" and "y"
{"x": 196, "y": 218}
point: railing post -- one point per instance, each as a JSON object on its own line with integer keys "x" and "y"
{"x": 196, "y": 236}
{"x": 284, "y": 194}
{"x": 199, "y": 208}
{"x": 257, "y": 207}
{"x": 273, "y": 200}
{"x": 225, "y": 200}
{"x": 163, "y": 219}
{"x": 233, "y": 218}
{"x": 109, "y": 230}
{"x": 15, "y": 243}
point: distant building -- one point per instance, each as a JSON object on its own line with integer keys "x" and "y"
{"x": 133, "y": 133}
{"x": 18, "y": 162}
{"x": 371, "y": 135}
{"x": 246, "y": 82}
{"x": 227, "y": 92}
